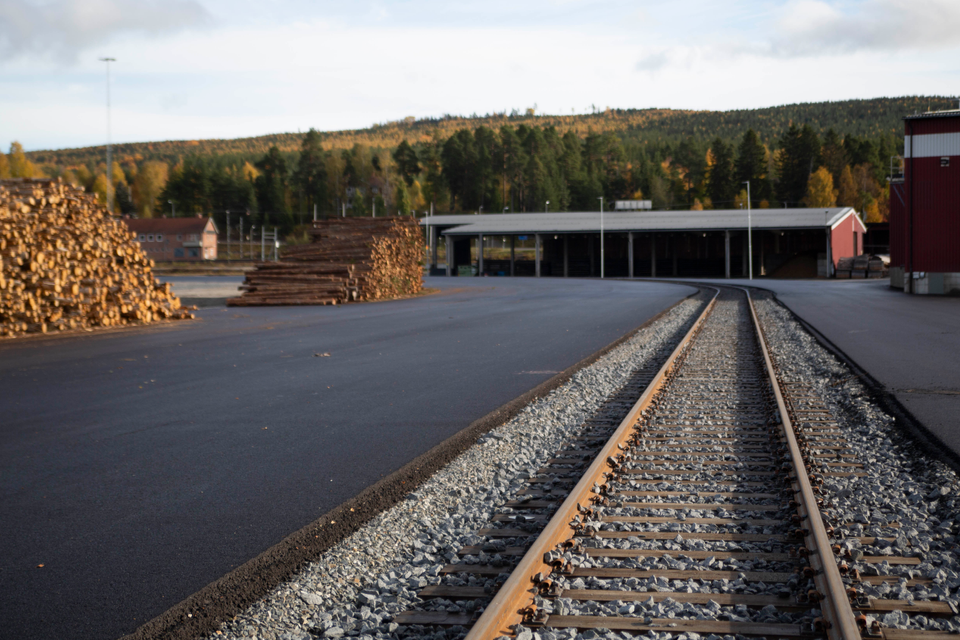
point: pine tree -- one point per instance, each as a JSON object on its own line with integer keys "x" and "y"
{"x": 271, "y": 188}
{"x": 799, "y": 155}
{"x": 834, "y": 155}
{"x": 721, "y": 183}
{"x": 751, "y": 164}
{"x": 311, "y": 173}
{"x": 408, "y": 164}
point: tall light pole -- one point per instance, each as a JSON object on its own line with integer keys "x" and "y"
{"x": 109, "y": 155}
{"x": 601, "y": 238}
{"x": 546, "y": 207}
{"x": 749, "y": 231}
{"x": 173, "y": 208}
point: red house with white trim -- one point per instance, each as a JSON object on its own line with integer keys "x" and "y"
{"x": 169, "y": 239}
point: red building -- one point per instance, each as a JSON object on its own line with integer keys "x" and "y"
{"x": 168, "y": 239}
{"x": 925, "y": 206}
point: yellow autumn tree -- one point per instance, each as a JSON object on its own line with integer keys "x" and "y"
{"x": 100, "y": 188}
{"x": 697, "y": 205}
{"x": 147, "y": 185}
{"x": 20, "y": 167}
{"x": 848, "y": 195}
{"x": 4, "y": 166}
{"x": 820, "y": 191}
{"x": 740, "y": 200}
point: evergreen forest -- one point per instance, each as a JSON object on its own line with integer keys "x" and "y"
{"x": 817, "y": 154}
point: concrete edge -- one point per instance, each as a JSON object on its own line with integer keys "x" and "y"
{"x": 906, "y": 422}
{"x": 203, "y": 612}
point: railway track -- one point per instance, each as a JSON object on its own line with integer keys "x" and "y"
{"x": 699, "y": 508}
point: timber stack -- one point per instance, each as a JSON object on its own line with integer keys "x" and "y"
{"x": 347, "y": 259}
{"x": 65, "y": 263}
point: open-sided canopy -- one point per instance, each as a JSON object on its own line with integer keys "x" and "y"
{"x": 640, "y": 221}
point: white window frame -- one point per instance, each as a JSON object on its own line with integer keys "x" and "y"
{"x": 159, "y": 237}
{"x": 149, "y": 237}
{"x": 143, "y": 237}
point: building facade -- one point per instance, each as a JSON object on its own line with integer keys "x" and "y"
{"x": 175, "y": 239}
{"x": 925, "y": 206}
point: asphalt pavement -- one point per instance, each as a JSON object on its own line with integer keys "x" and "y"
{"x": 139, "y": 465}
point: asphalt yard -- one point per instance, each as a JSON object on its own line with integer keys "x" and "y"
{"x": 137, "y": 466}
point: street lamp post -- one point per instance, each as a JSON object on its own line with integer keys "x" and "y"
{"x": 228, "y": 235}
{"x": 749, "y": 231}
{"x": 546, "y": 207}
{"x": 109, "y": 154}
{"x": 601, "y": 238}
{"x": 173, "y": 208}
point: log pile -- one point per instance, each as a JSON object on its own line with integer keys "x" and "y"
{"x": 347, "y": 259}
{"x": 65, "y": 263}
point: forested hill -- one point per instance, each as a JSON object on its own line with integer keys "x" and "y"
{"x": 874, "y": 118}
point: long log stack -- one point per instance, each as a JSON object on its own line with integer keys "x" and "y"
{"x": 65, "y": 263}
{"x": 348, "y": 259}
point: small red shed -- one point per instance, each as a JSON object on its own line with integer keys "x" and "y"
{"x": 925, "y": 206}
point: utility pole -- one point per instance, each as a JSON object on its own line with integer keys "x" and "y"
{"x": 228, "y": 235}
{"x": 601, "y": 239}
{"x": 109, "y": 154}
{"x": 749, "y": 232}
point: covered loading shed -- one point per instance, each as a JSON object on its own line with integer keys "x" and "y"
{"x": 786, "y": 242}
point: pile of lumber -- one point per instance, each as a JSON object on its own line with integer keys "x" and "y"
{"x": 347, "y": 259}
{"x": 65, "y": 263}
{"x": 862, "y": 266}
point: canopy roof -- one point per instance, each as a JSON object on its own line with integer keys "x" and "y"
{"x": 622, "y": 221}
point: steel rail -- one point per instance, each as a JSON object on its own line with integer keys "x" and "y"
{"x": 505, "y": 610}
{"x": 835, "y": 604}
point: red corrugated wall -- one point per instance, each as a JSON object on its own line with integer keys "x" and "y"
{"x": 936, "y": 203}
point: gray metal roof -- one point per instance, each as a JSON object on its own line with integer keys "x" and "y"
{"x": 621, "y": 221}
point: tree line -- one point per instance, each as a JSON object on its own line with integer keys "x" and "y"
{"x": 511, "y": 168}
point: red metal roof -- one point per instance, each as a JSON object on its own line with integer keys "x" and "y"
{"x": 168, "y": 225}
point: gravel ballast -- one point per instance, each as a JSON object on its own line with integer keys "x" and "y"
{"x": 356, "y": 587}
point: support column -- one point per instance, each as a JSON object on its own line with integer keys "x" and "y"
{"x": 434, "y": 249}
{"x": 653, "y": 256}
{"x": 726, "y": 253}
{"x": 449, "y": 243}
{"x": 536, "y": 253}
{"x": 566, "y": 256}
{"x": 630, "y": 254}
{"x": 829, "y": 256}
{"x": 513, "y": 251}
{"x": 480, "y": 255}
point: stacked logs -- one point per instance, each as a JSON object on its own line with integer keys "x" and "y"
{"x": 347, "y": 259}
{"x": 65, "y": 263}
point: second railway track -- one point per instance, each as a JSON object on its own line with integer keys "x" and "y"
{"x": 701, "y": 515}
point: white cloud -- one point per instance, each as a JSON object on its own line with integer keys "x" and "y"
{"x": 61, "y": 29}
{"x": 810, "y": 27}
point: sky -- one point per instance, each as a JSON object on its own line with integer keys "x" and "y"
{"x": 193, "y": 69}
